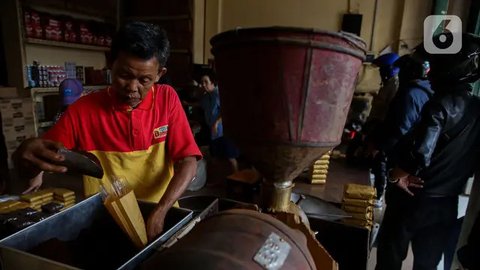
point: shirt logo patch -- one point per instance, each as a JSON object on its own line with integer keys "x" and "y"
{"x": 160, "y": 132}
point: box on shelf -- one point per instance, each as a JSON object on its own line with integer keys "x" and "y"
{"x": 15, "y": 105}
{"x": 17, "y": 123}
{"x": 80, "y": 73}
{"x": 71, "y": 70}
{"x": 86, "y": 35}
{"x": 15, "y": 135}
{"x": 12, "y": 132}
{"x": 39, "y": 25}
{"x": 45, "y": 75}
{"x": 53, "y": 29}
{"x": 33, "y": 26}
{"x": 70, "y": 31}
{"x": 8, "y": 93}
{"x": 97, "y": 76}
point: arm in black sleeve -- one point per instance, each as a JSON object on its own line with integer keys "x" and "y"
{"x": 425, "y": 137}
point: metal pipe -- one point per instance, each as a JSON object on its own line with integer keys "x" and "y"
{"x": 374, "y": 20}
{"x": 276, "y": 195}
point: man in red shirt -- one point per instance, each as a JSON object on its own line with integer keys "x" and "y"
{"x": 138, "y": 130}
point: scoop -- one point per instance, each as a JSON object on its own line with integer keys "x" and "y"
{"x": 81, "y": 162}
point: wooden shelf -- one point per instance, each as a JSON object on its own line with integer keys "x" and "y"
{"x": 45, "y": 124}
{"x": 66, "y": 45}
{"x": 54, "y": 90}
{"x": 159, "y": 18}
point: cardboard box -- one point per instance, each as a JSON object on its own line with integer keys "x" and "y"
{"x": 8, "y": 93}
{"x": 18, "y": 133}
{"x": 14, "y": 105}
{"x": 16, "y": 121}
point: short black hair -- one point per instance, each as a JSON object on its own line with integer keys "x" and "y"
{"x": 143, "y": 40}
{"x": 211, "y": 75}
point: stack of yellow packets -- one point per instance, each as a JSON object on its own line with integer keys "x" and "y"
{"x": 12, "y": 205}
{"x": 320, "y": 169}
{"x": 64, "y": 197}
{"x": 358, "y": 202}
{"x": 37, "y": 199}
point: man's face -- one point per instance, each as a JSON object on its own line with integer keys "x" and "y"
{"x": 207, "y": 84}
{"x": 133, "y": 77}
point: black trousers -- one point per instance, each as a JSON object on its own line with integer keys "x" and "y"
{"x": 426, "y": 222}
{"x": 380, "y": 171}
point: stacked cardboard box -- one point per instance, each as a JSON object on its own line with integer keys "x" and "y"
{"x": 320, "y": 169}
{"x": 358, "y": 203}
{"x": 17, "y": 121}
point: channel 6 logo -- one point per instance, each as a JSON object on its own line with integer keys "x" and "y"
{"x": 442, "y": 34}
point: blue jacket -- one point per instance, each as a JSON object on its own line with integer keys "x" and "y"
{"x": 403, "y": 114}
{"x": 210, "y": 103}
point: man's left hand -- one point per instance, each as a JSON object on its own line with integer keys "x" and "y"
{"x": 215, "y": 128}
{"x": 409, "y": 181}
{"x": 34, "y": 183}
{"x": 155, "y": 223}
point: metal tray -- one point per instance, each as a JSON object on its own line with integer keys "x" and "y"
{"x": 71, "y": 225}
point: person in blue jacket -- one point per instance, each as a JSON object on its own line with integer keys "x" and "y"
{"x": 220, "y": 146}
{"x": 432, "y": 167}
{"x": 403, "y": 113}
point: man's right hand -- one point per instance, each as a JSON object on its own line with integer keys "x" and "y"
{"x": 409, "y": 181}
{"x": 36, "y": 155}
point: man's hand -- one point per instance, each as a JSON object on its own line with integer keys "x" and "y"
{"x": 185, "y": 170}
{"x": 409, "y": 181}
{"x": 215, "y": 126}
{"x": 34, "y": 183}
{"x": 36, "y": 155}
{"x": 155, "y": 223}
{"x": 214, "y": 129}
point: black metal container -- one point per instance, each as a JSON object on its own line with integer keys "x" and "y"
{"x": 83, "y": 237}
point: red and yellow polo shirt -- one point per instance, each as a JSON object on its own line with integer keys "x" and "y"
{"x": 138, "y": 144}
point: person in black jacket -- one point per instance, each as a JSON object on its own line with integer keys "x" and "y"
{"x": 433, "y": 168}
{"x": 403, "y": 114}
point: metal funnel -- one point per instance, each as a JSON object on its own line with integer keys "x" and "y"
{"x": 285, "y": 95}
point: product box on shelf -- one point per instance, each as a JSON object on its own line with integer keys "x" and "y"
{"x": 80, "y": 73}
{"x": 71, "y": 70}
{"x": 12, "y": 142}
{"x": 46, "y": 76}
{"x": 32, "y": 23}
{"x": 16, "y": 116}
{"x": 13, "y": 105}
{"x": 86, "y": 35}
{"x": 8, "y": 92}
{"x": 66, "y": 29}
{"x": 53, "y": 29}
{"x": 17, "y": 137}
{"x": 70, "y": 31}
{"x": 17, "y": 122}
